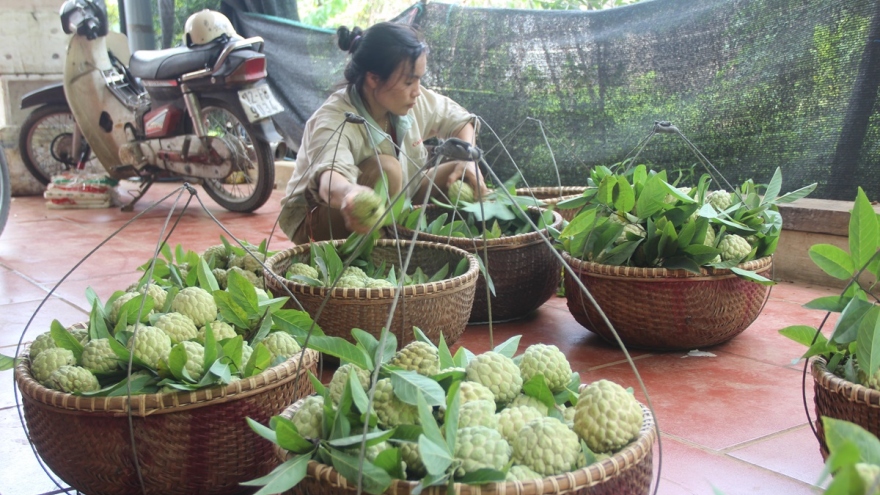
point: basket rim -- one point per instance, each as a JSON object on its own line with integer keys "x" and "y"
{"x": 561, "y": 192}
{"x": 462, "y": 280}
{"x": 471, "y": 244}
{"x": 142, "y": 405}
{"x": 646, "y": 273}
{"x": 588, "y": 476}
{"x": 853, "y": 392}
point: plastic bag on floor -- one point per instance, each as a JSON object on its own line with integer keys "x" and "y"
{"x": 71, "y": 190}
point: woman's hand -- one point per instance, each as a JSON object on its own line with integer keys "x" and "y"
{"x": 470, "y": 173}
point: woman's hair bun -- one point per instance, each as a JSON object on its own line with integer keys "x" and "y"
{"x": 348, "y": 40}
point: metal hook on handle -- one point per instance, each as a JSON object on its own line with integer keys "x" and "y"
{"x": 458, "y": 149}
{"x": 353, "y": 118}
{"x": 665, "y": 127}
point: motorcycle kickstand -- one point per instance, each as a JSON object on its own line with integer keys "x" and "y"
{"x": 142, "y": 189}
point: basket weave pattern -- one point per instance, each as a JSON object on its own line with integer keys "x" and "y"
{"x": 524, "y": 270}
{"x": 435, "y": 307}
{"x": 842, "y": 399}
{"x": 187, "y": 443}
{"x": 628, "y": 472}
{"x": 660, "y": 309}
{"x": 552, "y": 195}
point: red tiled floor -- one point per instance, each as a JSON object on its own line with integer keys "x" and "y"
{"x": 734, "y": 421}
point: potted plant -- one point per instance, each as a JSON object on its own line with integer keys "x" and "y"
{"x": 845, "y": 365}
{"x": 671, "y": 266}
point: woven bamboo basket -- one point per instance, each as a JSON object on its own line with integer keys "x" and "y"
{"x": 660, "y": 309}
{"x": 842, "y": 399}
{"x": 524, "y": 270}
{"x": 551, "y": 195}
{"x": 187, "y": 442}
{"x": 628, "y": 472}
{"x": 436, "y": 307}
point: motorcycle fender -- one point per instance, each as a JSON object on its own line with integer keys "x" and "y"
{"x": 186, "y": 156}
{"x": 51, "y": 94}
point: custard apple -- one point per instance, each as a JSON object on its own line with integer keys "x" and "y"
{"x": 367, "y": 208}
{"x": 50, "y": 360}
{"x": 721, "y": 200}
{"x": 518, "y": 472}
{"x": 246, "y": 352}
{"x": 218, "y": 254}
{"x": 197, "y": 303}
{"x": 511, "y": 419}
{"x": 253, "y": 262}
{"x": 151, "y": 344}
{"x": 80, "y": 334}
{"x": 378, "y": 283}
{"x": 409, "y": 453}
{"x": 418, "y": 356}
{"x": 607, "y": 417}
{"x": 351, "y": 282}
{"x": 549, "y": 361}
{"x": 41, "y": 343}
{"x": 98, "y": 356}
{"x": 497, "y": 372}
{"x": 178, "y": 326}
{"x": 527, "y": 400}
{"x": 119, "y": 302}
{"x": 469, "y": 391}
{"x": 234, "y": 261}
{"x": 221, "y": 277}
{"x": 709, "y": 240}
{"x": 340, "y": 379}
{"x": 281, "y": 345}
{"x": 460, "y": 191}
{"x": 480, "y": 447}
{"x": 390, "y": 410}
{"x": 195, "y": 359}
{"x": 304, "y": 270}
{"x": 73, "y": 380}
{"x": 546, "y": 446}
{"x": 477, "y": 413}
{"x": 734, "y": 247}
{"x": 220, "y": 329}
{"x": 309, "y": 418}
{"x": 154, "y": 291}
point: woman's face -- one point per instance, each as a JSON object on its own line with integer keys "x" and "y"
{"x": 398, "y": 94}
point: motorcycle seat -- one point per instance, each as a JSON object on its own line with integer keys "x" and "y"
{"x": 173, "y": 62}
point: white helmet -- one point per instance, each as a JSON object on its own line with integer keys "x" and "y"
{"x": 206, "y": 26}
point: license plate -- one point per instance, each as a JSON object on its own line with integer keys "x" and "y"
{"x": 259, "y": 103}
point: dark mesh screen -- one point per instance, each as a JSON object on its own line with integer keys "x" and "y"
{"x": 753, "y": 84}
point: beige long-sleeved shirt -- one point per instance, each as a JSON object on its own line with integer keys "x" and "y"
{"x": 327, "y": 144}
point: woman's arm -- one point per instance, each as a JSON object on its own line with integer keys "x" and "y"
{"x": 468, "y": 171}
{"x": 339, "y": 193}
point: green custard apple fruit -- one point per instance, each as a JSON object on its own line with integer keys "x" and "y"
{"x": 158, "y": 294}
{"x": 178, "y": 326}
{"x": 150, "y": 345}
{"x": 409, "y": 453}
{"x": 418, "y": 356}
{"x": 469, "y": 391}
{"x": 526, "y": 400}
{"x": 220, "y": 329}
{"x": 477, "y": 413}
{"x": 197, "y": 303}
{"x": 309, "y": 418}
{"x": 304, "y": 270}
{"x": 41, "y": 343}
{"x": 195, "y": 359}
{"x": 221, "y": 276}
{"x": 218, "y": 254}
{"x": 98, "y": 356}
{"x": 461, "y": 191}
{"x": 607, "y": 417}
{"x": 511, "y": 419}
{"x": 378, "y": 283}
{"x": 281, "y": 345}
{"x": 390, "y": 410}
{"x": 721, "y": 200}
{"x": 547, "y": 360}
{"x": 518, "y": 472}
{"x": 73, "y": 380}
{"x": 50, "y": 360}
{"x": 480, "y": 447}
{"x": 546, "y": 446}
{"x": 367, "y": 208}
{"x": 734, "y": 247}
{"x": 340, "y": 379}
{"x": 498, "y": 373}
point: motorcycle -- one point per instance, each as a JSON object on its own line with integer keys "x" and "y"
{"x": 200, "y": 112}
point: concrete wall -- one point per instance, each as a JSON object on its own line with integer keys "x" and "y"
{"x": 32, "y": 49}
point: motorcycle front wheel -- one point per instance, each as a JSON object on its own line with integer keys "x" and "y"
{"x": 46, "y": 143}
{"x": 250, "y": 184}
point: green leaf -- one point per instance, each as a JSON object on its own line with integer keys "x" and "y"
{"x": 374, "y": 480}
{"x": 435, "y": 455}
{"x": 408, "y": 386}
{"x": 444, "y": 354}
{"x": 296, "y": 322}
{"x": 207, "y": 280}
{"x": 230, "y": 311}
{"x": 133, "y": 308}
{"x": 483, "y": 476}
{"x": 847, "y": 326}
{"x": 834, "y": 304}
{"x": 838, "y": 431}
{"x": 260, "y": 360}
{"x": 864, "y": 233}
{"x": 832, "y": 260}
{"x": 537, "y": 387}
{"x": 262, "y": 430}
{"x": 652, "y": 198}
{"x": 65, "y": 340}
{"x": 288, "y": 438}
{"x": 796, "y": 194}
{"x": 233, "y": 349}
{"x": 136, "y": 383}
{"x": 342, "y": 349}
{"x": 868, "y": 341}
{"x": 282, "y": 478}
{"x": 243, "y": 294}
{"x": 120, "y": 350}
{"x": 752, "y": 276}
{"x": 98, "y": 323}
{"x": 508, "y": 347}
{"x": 6, "y": 362}
{"x": 177, "y": 361}
{"x": 802, "y": 334}
{"x": 211, "y": 353}
{"x": 625, "y": 197}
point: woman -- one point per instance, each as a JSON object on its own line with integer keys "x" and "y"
{"x": 383, "y": 78}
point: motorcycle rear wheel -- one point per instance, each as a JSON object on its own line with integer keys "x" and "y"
{"x": 46, "y": 143}
{"x": 250, "y": 184}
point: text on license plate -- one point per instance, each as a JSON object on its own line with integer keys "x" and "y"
{"x": 259, "y": 103}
